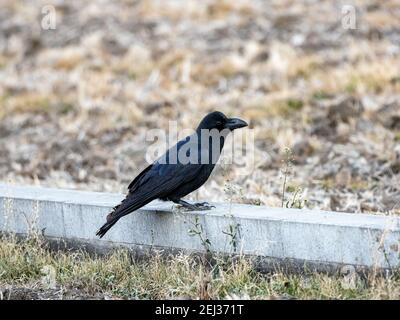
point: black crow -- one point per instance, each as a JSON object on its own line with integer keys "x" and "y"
{"x": 182, "y": 169}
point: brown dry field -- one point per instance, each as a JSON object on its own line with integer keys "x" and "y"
{"x": 76, "y": 102}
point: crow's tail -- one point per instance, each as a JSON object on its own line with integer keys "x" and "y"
{"x": 107, "y": 226}
{"x": 127, "y": 206}
{"x": 112, "y": 219}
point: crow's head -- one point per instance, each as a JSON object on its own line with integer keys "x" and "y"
{"x": 217, "y": 120}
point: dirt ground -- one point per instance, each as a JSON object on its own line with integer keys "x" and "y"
{"x": 27, "y": 293}
{"x": 76, "y": 102}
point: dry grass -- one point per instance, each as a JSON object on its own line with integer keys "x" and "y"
{"x": 118, "y": 275}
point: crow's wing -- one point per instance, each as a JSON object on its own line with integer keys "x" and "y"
{"x": 156, "y": 181}
{"x": 160, "y": 178}
{"x": 157, "y": 170}
{"x": 139, "y": 179}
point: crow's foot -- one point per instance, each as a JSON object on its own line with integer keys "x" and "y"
{"x": 200, "y": 206}
{"x": 204, "y": 206}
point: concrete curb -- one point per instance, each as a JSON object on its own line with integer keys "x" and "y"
{"x": 278, "y": 236}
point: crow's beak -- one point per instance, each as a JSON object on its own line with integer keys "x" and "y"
{"x": 235, "y": 123}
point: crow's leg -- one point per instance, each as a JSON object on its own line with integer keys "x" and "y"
{"x": 192, "y": 207}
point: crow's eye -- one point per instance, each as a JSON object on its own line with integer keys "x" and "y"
{"x": 218, "y": 123}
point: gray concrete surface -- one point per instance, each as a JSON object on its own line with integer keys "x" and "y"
{"x": 277, "y": 235}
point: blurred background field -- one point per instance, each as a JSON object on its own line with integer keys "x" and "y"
{"x": 76, "y": 102}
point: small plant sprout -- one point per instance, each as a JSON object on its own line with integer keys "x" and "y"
{"x": 233, "y": 233}
{"x": 296, "y": 200}
{"x": 198, "y": 231}
{"x": 49, "y": 277}
{"x": 286, "y": 171}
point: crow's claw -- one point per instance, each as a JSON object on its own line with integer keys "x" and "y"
{"x": 204, "y": 206}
